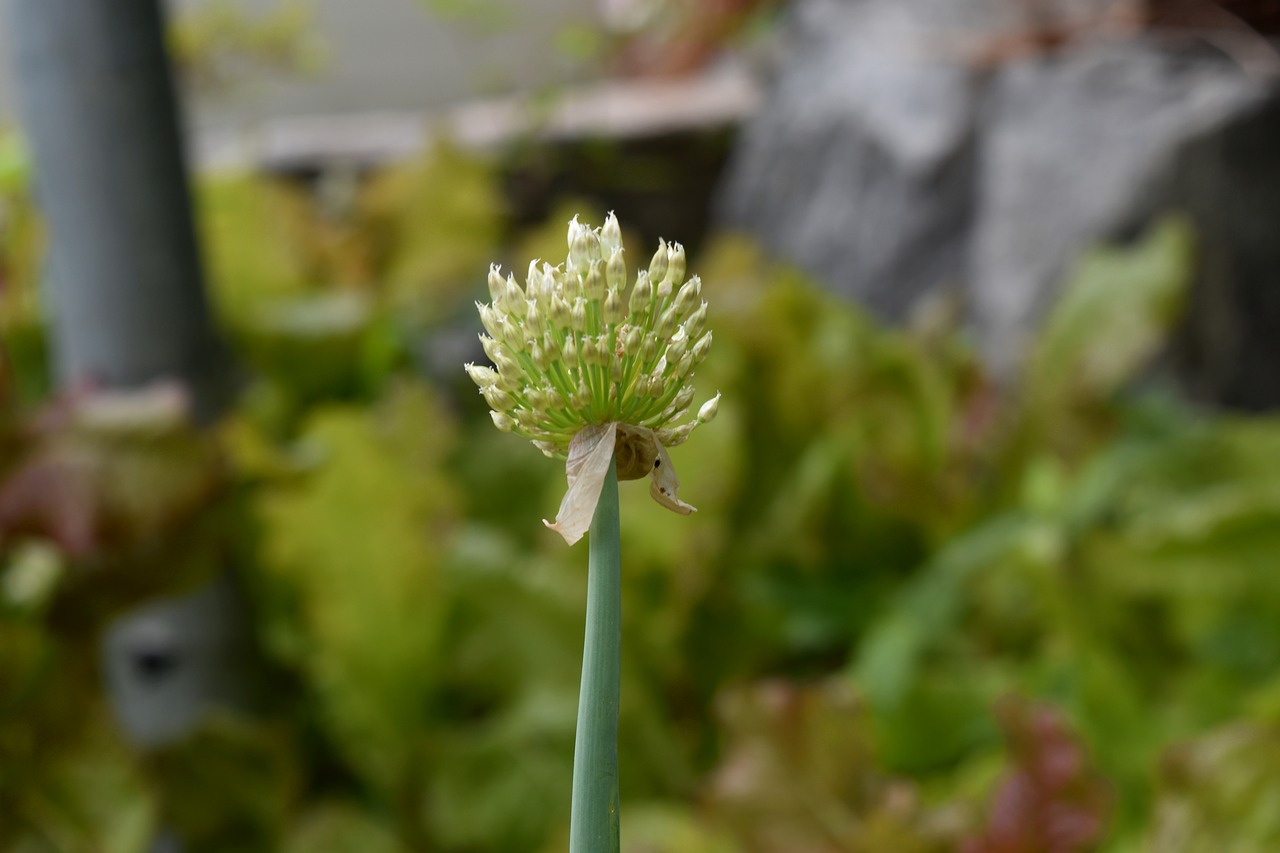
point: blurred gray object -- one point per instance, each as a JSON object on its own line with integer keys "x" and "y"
{"x": 907, "y": 148}
{"x": 128, "y": 304}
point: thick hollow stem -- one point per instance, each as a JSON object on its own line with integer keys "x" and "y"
{"x": 594, "y": 822}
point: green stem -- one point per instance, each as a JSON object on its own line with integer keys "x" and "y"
{"x": 594, "y": 821}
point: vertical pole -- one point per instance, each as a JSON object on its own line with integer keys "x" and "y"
{"x": 125, "y": 297}
{"x": 125, "y": 289}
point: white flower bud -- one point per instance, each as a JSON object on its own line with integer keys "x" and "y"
{"x": 613, "y": 310}
{"x": 497, "y": 398}
{"x": 593, "y": 284}
{"x": 482, "y": 376}
{"x": 496, "y": 284}
{"x": 615, "y": 370}
{"x": 611, "y": 234}
{"x": 570, "y": 352}
{"x": 533, "y": 318}
{"x": 579, "y": 250}
{"x": 541, "y": 359}
{"x": 709, "y": 409}
{"x": 675, "y": 264}
{"x": 578, "y": 316}
{"x": 581, "y": 396}
{"x": 641, "y": 294}
{"x": 491, "y": 347}
{"x": 701, "y": 348}
{"x": 684, "y": 365}
{"x": 668, "y": 322}
{"x": 615, "y": 271}
{"x": 589, "y": 351}
{"x": 678, "y": 435}
{"x": 685, "y": 297}
{"x": 679, "y": 343}
{"x": 561, "y": 313}
{"x": 502, "y": 421}
{"x": 490, "y": 319}
{"x": 695, "y": 323}
{"x": 684, "y": 398}
{"x": 514, "y": 297}
{"x": 658, "y": 265}
{"x": 555, "y": 400}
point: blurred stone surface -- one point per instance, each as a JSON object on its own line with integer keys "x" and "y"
{"x": 901, "y": 152}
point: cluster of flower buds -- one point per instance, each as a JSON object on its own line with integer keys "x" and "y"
{"x": 576, "y": 346}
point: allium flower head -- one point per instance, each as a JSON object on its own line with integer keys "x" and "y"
{"x": 581, "y": 359}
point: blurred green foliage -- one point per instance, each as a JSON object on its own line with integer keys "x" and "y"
{"x": 889, "y": 542}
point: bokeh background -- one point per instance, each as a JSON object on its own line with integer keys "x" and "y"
{"x": 987, "y": 555}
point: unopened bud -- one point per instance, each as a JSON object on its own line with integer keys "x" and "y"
{"x": 497, "y": 398}
{"x": 676, "y": 435}
{"x": 686, "y": 296}
{"x": 641, "y": 294}
{"x": 589, "y": 351}
{"x": 611, "y": 234}
{"x": 515, "y": 297}
{"x": 684, "y": 398}
{"x": 679, "y": 343}
{"x": 658, "y": 265}
{"x": 667, "y": 323}
{"x": 561, "y": 314}
{"x": 555, "y": 400}
{"x": 497, "y": 286}
{"x": 695, "y": 322}
{"x": 581, "y": 396}
{"x": 631, "y": 343}
{"x": 675, "y": 264}
{"x": 579, "y": 251}
{"x": 539, "y": 355}
{"x": 502, "y": 421}
{"x": 533, "y": 318}
{"x": 578, "y": 315}
{"x": 570, "y": 352}
{"x": 614, "y": 311}
{"x": 701, "y": 348}
{"x": 709, "y": 409}
{"x": 491, "y": 347}
{"x": 489, "y": 319}
{"x": 615, "y": 271}
{"x": 593, "y": 284}
{"x": 684, "y": 365}
{"x": 482, "y": 376}
{"x": 615, "y": 370}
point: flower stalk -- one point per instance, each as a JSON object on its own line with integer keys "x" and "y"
{"x": 600, "y": 377}
{"x": 594, "y": 817}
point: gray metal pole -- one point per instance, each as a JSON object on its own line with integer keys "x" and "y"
{"x": 127, "y": 305}
{"x": 126, "y": 291}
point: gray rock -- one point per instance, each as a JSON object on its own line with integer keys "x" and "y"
{"x": 1084, "y": 147}
{"x": 890, "y": 164}
{"x": 859, "y": 167}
